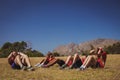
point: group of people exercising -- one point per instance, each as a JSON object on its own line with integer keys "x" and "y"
{"x": 95, "y": 59}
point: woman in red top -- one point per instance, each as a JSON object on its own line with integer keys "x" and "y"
{"x": 94, "y": 60}
{"x": 49, "y": 61}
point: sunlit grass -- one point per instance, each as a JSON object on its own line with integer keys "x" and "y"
{"x": 110, "y": 72}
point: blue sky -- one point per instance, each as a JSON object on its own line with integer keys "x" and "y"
{"x": 46, "y": 24}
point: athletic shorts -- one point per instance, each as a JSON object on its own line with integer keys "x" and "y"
{"x": 77, "y": 64}
{"x": 15, "y": 66}
{"x": 60, "y": 62}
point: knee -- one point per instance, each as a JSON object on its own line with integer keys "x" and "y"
{"x": 25, "y": 56}
{"x": 69, "y": 57}
{"x": 89, "y": 56}
{"x": 17, "y": 57}
{"x": 76, "y": 55}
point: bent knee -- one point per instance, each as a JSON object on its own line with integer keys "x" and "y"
{"x": 76, "y": 55}
{"x": 18, "y": 56}
{"x": 25, "y": 56}
{"x": 69, "y": 56}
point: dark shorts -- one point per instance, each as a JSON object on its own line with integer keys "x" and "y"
{"x": 77, "y": 64}
{"x": 60, "y": 62}
{"x": 15, "y": 66}
{"x": 100, "y": 64}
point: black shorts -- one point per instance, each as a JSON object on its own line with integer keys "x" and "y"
{"x": 77, "y": 64}
{"x": 60, "y": 62}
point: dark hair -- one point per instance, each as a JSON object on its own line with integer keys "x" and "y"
{"x": 49, "y": 54}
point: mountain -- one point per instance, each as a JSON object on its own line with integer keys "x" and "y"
{"x": 72, "y": 47}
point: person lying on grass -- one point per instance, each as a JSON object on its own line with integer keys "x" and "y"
{"x": 49, "y": 60}
{"x": 19, "y": 60}
{"x": 73, "y": 62}
{"x": 95, "y": 60}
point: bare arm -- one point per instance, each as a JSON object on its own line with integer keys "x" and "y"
{"x": 10, "y": 55}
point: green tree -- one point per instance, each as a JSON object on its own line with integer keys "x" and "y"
{"x": 113, "y": 49}
{"x": 56, "y": 54}
{"x": 18, "y": 46}
{"x": 6, "y": 49}
{"x": 6, "y": 45}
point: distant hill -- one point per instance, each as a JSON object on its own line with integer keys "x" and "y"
{"x": 72, "y": 47}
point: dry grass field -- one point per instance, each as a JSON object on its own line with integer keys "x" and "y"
{"x": 110, "y": 72}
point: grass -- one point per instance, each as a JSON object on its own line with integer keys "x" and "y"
{"x": 110, "y": 72}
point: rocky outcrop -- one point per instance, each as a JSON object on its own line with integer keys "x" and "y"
{"x": 72, "y": 47}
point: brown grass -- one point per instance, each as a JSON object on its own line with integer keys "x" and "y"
{"x": 110, "y": 72}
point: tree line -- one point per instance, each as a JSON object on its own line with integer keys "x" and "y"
{"x": 113, "y": 49}
{"x": 22, "y": 46}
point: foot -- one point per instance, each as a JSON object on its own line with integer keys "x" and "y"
{"x": 40, "y": 65}
{"x": 30, "y": 68}
{"x": 44, "y": 66}
{"x": 37, "y": 65}
{"x": 63, "y": 66}
{"x": 23, "y": 68}
{"x": 82, "y": 68}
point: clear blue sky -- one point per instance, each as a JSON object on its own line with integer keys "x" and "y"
{"x": 47, "y": 24}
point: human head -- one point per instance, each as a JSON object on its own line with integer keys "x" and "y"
{"x": 14, "y": 53}
{"x": 49, "y": 54}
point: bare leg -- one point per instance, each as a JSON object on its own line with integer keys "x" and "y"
{"x": 85, "y": 63}
{"x": 18, "y": 61}
{"x": 67, "y": 62}
{"x": 76, "y": 57}
{"x": 26, "y": 60}
{"x": 68, "y": 59}
{"x": 52, "y": 62}
{"x": 76, "y": 62}
{"x": 42, "y": 61}
{"x": 89, "y": 61}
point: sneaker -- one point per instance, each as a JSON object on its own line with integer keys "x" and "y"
{"x": 63, "y": 66}
{"x": 23, "y": 68}
{"x": 37, "y": 65}
{"x": 71, "y": 67}
{"x": 82, "y": 68}
{"x": 30, "y": 68}
{"x": 40, "y": 65}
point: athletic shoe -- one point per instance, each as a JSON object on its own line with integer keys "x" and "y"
{"x": 63, "y": 66}
{"x": 40, "y": 65}
{"x": 37, "y": 65}
{"x": 30, "y": 68}
{"x": 23, "y": 68}
{"x": 71, "y": 67}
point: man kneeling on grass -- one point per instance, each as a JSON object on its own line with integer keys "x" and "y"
{"x": 19, "y": 60}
